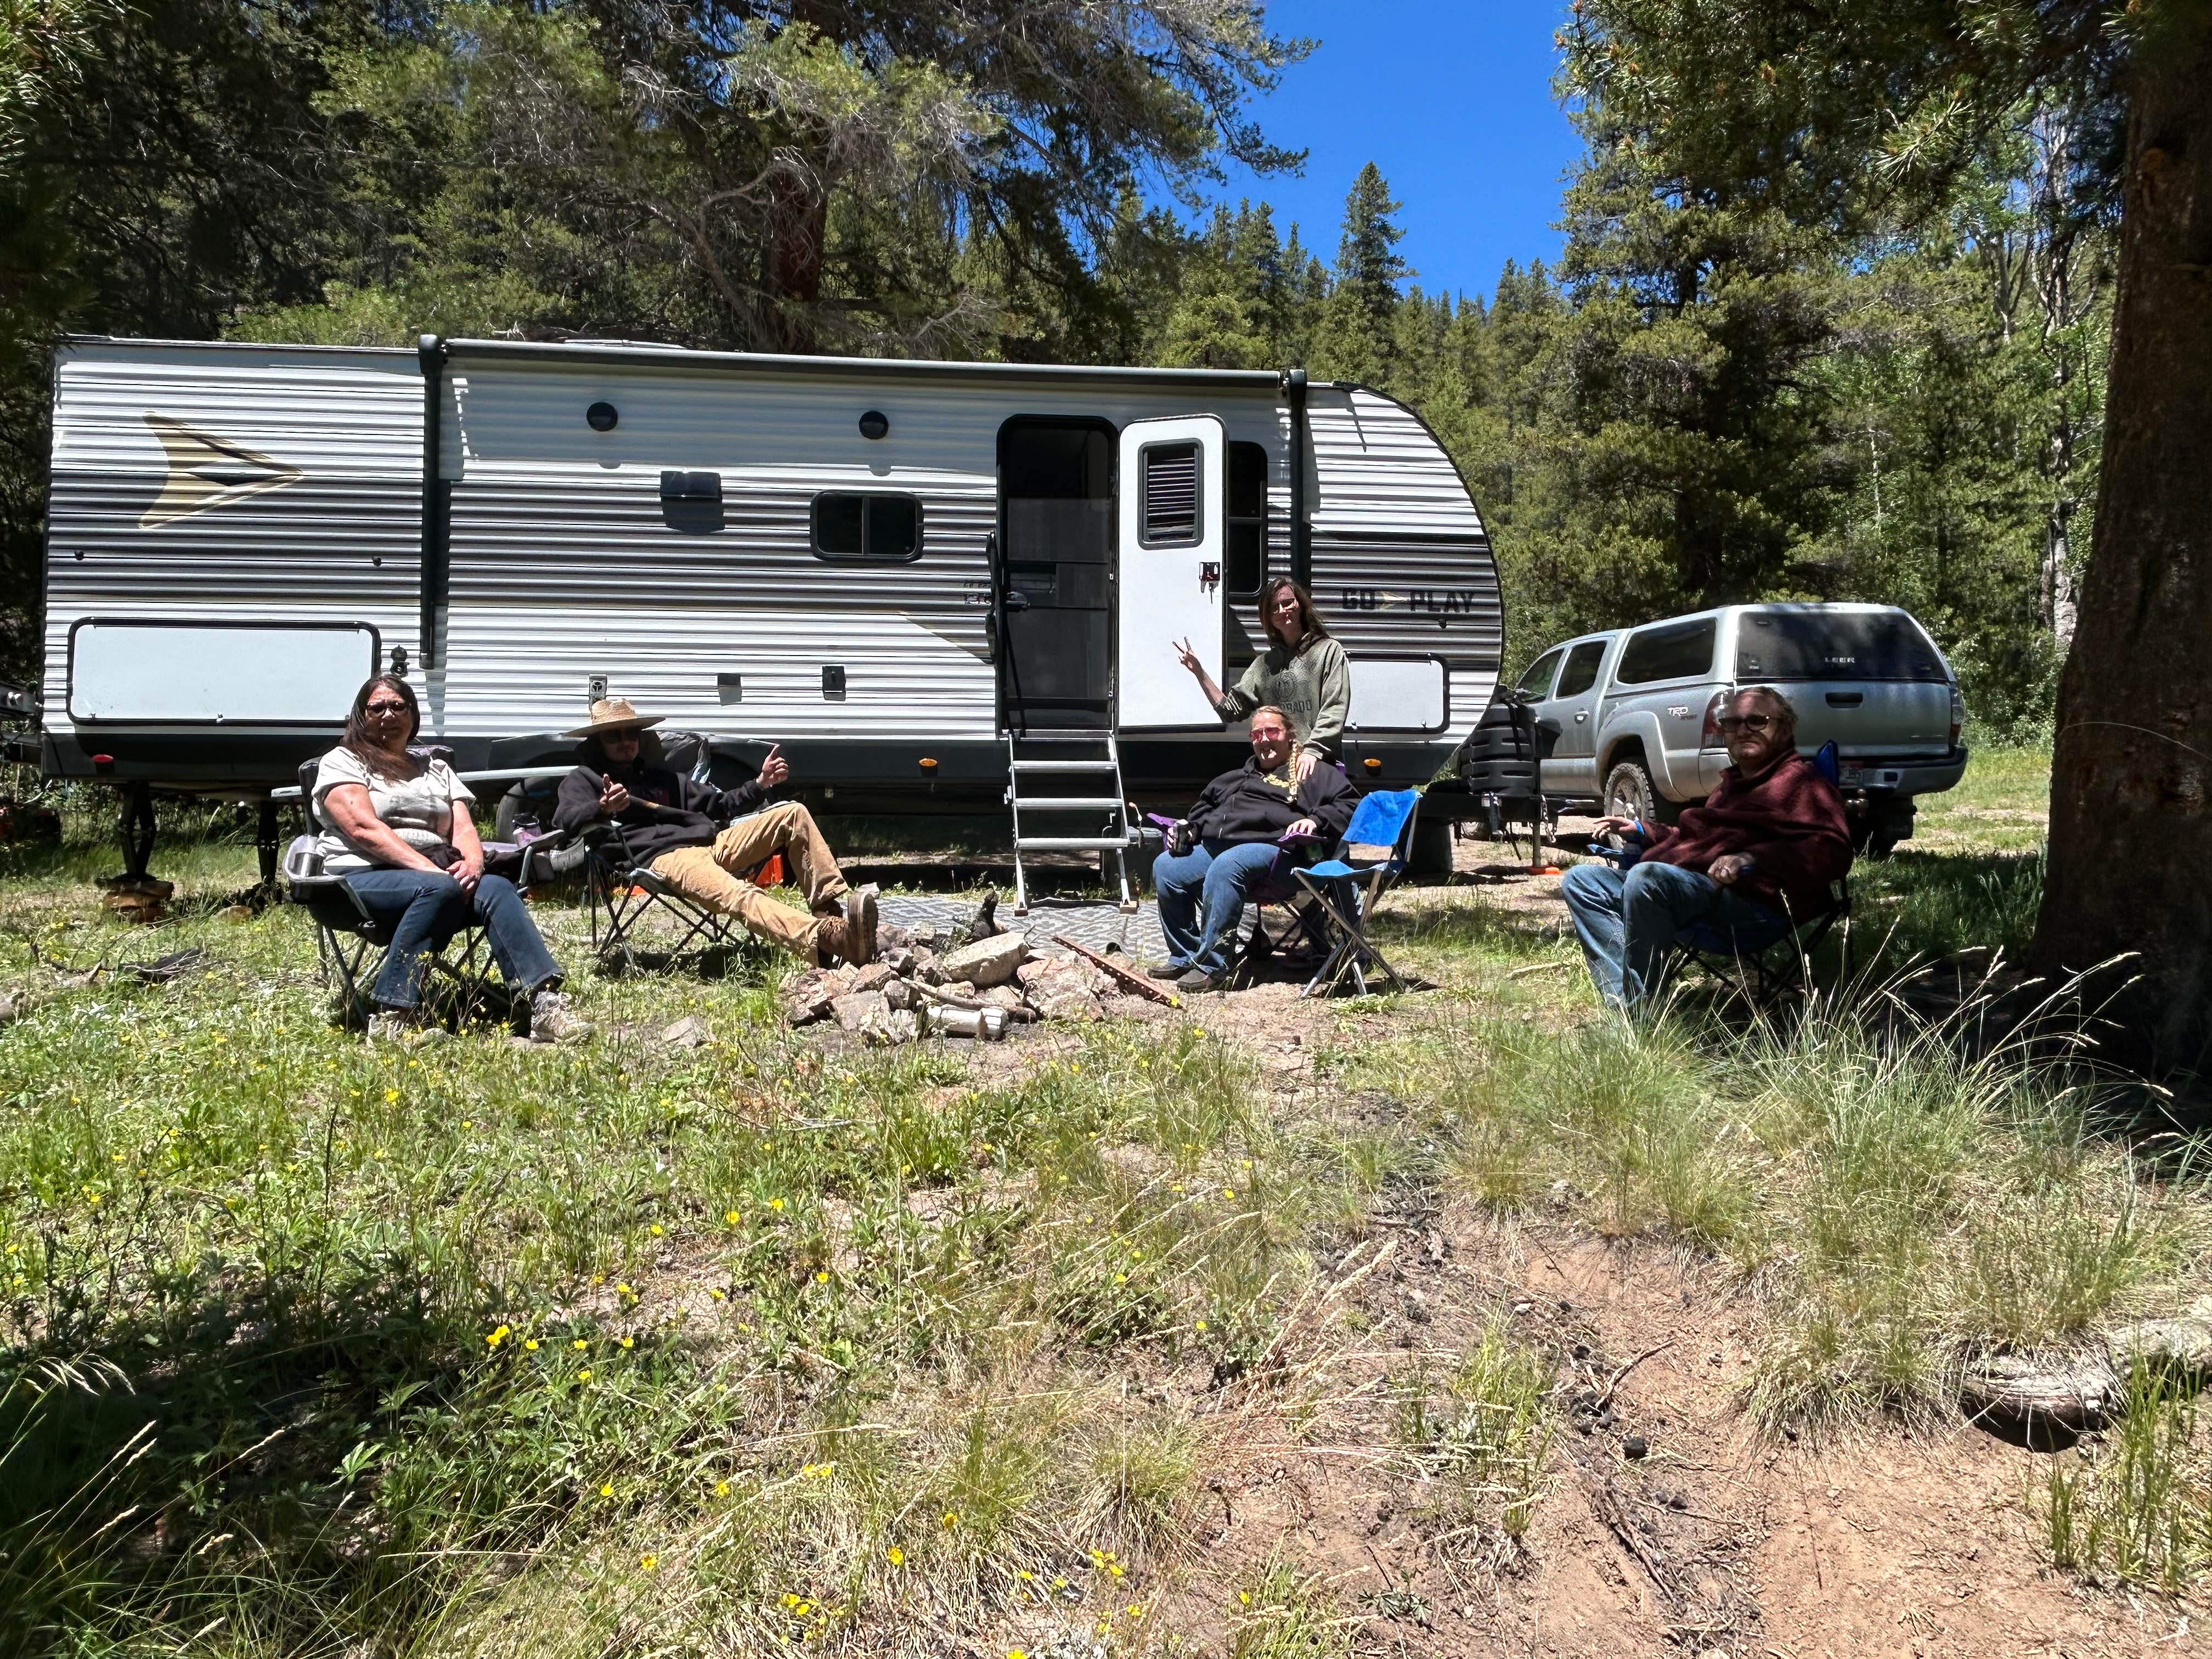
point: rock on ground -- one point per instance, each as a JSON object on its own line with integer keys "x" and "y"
{"x": 988, "y": 961}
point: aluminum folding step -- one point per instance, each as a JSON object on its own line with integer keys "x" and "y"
{"x": 1026, "y": 767}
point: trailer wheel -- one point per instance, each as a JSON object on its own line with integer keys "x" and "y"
{"x": 1630, "y": 793}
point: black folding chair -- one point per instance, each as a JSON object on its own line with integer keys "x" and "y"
{"x": 1763, "y": 965}
{"x": 350, "y": 944}
{"x": 1348, "y": 891}
{"x": 624, "y": 894}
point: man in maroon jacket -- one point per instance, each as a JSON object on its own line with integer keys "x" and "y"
{"x": 1759, "y": 853}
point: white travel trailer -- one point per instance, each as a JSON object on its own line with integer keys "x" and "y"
{"x": 903, "y": 572}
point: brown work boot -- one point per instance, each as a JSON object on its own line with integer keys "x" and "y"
{"x": 860, "y": 923}
{"x": 832, "y": 943}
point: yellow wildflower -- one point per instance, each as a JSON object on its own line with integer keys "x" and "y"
{"x": 950, "y": 1520}
{"x": 896, "y": 1556}
{"x": 630, "y": 1342}
{"x": 775, "y": 1204}
{"x": 721, "y": 1489}
{"x": 530, "y": 1343}
{"x": 732, "y": 1218}
{"x": 656, "y": 1230}
{"x": 648, "y": 1562}
{"x": 607, "y": 1489}
{"x": 580, "y": 1344}
{"x": 584, "y": 1376}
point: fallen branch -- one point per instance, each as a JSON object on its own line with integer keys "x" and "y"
{"x": 1137, "y": 982}
{"x": 2085, "y": 1391}
{"x": 1605, "y": 1398}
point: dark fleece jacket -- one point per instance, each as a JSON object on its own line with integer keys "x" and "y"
{"x": 1790, "y": 820}
{"x": 1253, "y": 805}
{"x": 690, "y": 814}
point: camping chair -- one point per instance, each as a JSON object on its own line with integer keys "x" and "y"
{"x": 350, "y": 943}
{"x": 1280, "y": 890}
{"x": 623, "y": 893}
{"x": 1752, "y": 963}
{"x": 1348, "y": 892}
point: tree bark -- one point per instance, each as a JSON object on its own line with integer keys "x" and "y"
{"x": 2130, "y": 863}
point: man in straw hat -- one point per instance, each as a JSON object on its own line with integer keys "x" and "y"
{"x": 698, "y": 838}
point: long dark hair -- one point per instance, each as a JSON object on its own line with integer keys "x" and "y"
{"x": 1310, "y": 626}
{"x": 356, "y": 730}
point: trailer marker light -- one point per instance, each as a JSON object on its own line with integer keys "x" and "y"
{"x": 874, "y": 424}
{"x": 1374, "y": 765}
{"x": 601, "y": 416}
{"x": 928, "y": 765}
{"x": 103, "y": 760}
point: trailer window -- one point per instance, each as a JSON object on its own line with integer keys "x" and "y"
{"x": 1677, "y": 651}
{"x": 1246, "y": 560}
{"x": 879, "y": 528}
{"x": 1167, "y": 501}
{"x": 1829, "y": 645}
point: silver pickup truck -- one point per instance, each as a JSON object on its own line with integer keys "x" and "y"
{"x": 1629, "y": 720}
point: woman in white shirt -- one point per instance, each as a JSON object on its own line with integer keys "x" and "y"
{"x": 400, "y": 834}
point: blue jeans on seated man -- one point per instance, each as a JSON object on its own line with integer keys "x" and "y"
{"x": 1628, "y": 921}
{"x": 427, "y": 908}
{"x": 1203, "y": 893}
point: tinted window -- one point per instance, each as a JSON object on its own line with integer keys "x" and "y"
{"x": 884, "y": 528}
{"x": 1800, "y": 645}
{"x": 1674, "y": 651}
{"x": 1537, "y": 681}
{"x": 1580, "y": 671}
{"x": 1167, "y": 505}
{"x": 1246, "y": 557}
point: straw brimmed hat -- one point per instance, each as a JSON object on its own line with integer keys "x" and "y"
{"x": 614, "y": 715}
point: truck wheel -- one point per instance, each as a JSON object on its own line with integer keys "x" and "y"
{"x": 1630, "y": 793}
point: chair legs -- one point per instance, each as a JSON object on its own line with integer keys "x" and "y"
{"x": 621, "y": 903}
{"x": 1343, "y": 910}
{"x": 349, "y": 962}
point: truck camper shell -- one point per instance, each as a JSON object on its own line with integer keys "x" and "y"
{"x": 891, "y": 568}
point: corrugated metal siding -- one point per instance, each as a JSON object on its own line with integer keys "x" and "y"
{"x": 1401, "y": 564}
{"x": 350, "y": 423}
{"x": 547, "y": 513}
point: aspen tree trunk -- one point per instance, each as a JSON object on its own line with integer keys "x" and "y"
{"x": 2131, "y": 868}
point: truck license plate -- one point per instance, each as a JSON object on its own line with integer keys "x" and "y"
{"x": 1851, "y": 773}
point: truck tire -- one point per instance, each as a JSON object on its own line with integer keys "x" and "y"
{"x": 1630, "y": 793}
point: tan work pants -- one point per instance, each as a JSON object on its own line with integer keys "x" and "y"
{"x": 708, "y": 875}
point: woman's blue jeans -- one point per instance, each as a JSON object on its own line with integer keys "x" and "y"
{"x": 1202, "y": 898}
{"x": 427, "y": 908}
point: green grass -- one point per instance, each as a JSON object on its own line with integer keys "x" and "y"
{"x": 314, "y": 1347}
{"x": 1896, "y": 1202}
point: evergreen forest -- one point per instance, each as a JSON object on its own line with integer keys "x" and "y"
{"x": 1705, "y": 399}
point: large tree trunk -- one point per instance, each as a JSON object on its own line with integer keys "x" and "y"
{"x": 2130, "y": 866}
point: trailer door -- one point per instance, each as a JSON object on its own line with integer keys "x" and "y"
{"x": 1171, "y": 541}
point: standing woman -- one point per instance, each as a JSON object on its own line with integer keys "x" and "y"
{"x": 1302, "y": 672}
{"x": 402, "y": 838}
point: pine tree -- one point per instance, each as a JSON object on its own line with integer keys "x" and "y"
{"x": 1353, "y": 335}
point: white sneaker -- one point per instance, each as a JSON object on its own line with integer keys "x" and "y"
{"x": 390, "y": 1026}
{"x": 554, "y": 1018}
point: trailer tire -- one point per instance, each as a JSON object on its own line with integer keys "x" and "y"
{"x": 1630, "y": 793}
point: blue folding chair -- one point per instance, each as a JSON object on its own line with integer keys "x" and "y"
{"x": 1348, "y": 893}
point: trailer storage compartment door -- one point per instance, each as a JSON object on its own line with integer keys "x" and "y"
{"x": 150, "y": 672}
{"x": 1171, "y": 540}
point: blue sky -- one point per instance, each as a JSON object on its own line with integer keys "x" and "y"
{"x": 1453, "y": 101}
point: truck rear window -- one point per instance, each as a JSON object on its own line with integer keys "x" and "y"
{"x": 1817, "y": 646}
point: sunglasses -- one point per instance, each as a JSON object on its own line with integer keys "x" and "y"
{"x": 1732, "y": 724}
{"x": 386, "y": 708}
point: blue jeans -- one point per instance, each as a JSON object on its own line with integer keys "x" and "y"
{"x": 1211, "y": 882}
{"x": 1628, "y": 921}
{"x": 427, "y": 908}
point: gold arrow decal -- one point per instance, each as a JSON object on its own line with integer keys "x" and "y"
{"x": 207, "y": 472}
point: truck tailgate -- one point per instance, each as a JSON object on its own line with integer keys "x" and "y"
{"x": 1871, "y": 718}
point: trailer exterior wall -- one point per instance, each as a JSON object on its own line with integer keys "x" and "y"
{"x": 193, "y": 530}
{"x": 565, "y": 569}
